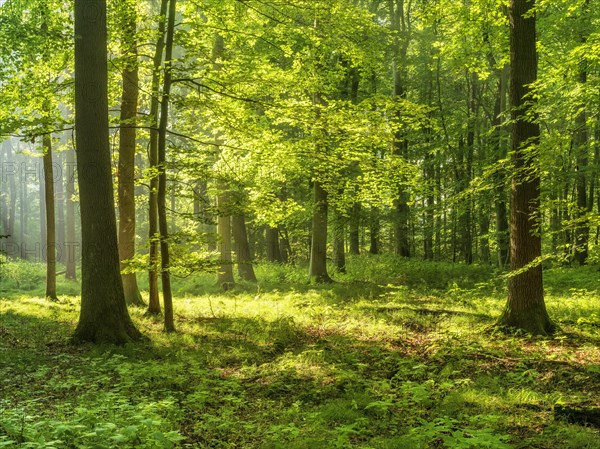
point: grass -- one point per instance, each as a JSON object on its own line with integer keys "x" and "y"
{"x": 397, "y": 354}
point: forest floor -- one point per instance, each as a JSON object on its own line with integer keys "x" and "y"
{"x": 396, "y": 354}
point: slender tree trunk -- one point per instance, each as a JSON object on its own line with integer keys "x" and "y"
{"x": 50, "y": 220}
{"x": 4, "y": 193}
{"x": 153, "y": 231}
{"x": 103, "y": 316}
{"x": 374, "y": 231}
{"x": 127, "y": 147}
{"x": 354, "y": 234}
{"x": 43, "y": 241}
{"x": 272, "y": 243}
{"x": 339, "y": 243}
{"x": 12, "y": 209}
{"x": 318, "y": 248}
{"x": 71, "y": 239}
{"x": 59, "y": 195}
{"x": 285, "y": 248}
{"x": 582, "y": 232}
{"x": 242, "y": 248}
{"x": 225, "y": 273}
{"x": 500, "y": 200}
{"x": 162, "y": 173}
{"x": 525, "y": 308}
{"x": 23, "y": 214}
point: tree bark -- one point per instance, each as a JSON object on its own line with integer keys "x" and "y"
{"x": 43, "y": 241}
{"x": 272, "y": 243}
{"x": 354, "y": 234}
{"x": 225, "y": 273}
{"x": 70, "y": 239}
{"x": 127, "y": 147}
{"x": 339, "y": 243}
{"x": 103, "y": 315}
{"x": 582, "y": 231}
{"x": 50, "y": 219}
{"x": 374, "y": 231}
{"x": 59, "y": 195}
{"x": 153, "y": 232}
{"x": 525, "y": 308}
{"x": 242, "y": 249}
{"x": 318, "y": 248}
{"x": 169, "y": 322}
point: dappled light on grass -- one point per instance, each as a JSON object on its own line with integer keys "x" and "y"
{"x": 283, "y": 364}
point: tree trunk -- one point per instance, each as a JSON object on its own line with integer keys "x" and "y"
{"x": 354, "y": 234}
{"x": 582, "y": 232}
{"x": 59, "y": 195}
{"x": 165, "y": 274}
{"x": 525, "y": 308}
{"x": 374, "y": 231}
{"x": 23, "y": 214}
{"x": 272, "y": 243}
{"x": 500, "y": 200}
{"x": 153, "y": 231}
{"x": 70, "y": 239}
{"x": 242, "y": 249}
{"x": 225, "y": 273}
{"x": 50, "y": 230}
{"x": 318, "y": 248}
{"x": 339, "y": 242}
{"x": 127, "y": 146}
{"x": 285, "y": 248}
{"x": 43, "y": 242}
{"x": 103, "y": 316}
{"x": 4, "y": 194}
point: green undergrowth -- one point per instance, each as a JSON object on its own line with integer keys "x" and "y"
{"x": 396, "y": 354}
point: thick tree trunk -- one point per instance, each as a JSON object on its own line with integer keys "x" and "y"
{"x": 71, "y": 239}
{"x": 318, "y": 248}
{"x": 525, "y": 308}
{"x": 50, "y": 230}
{"x": 126, "y": 167}
{"x": 242, "y": 249}
{"x": 153, "y": 231}
{"x": 165, "y": 257}
{"x": 103, "y": 316}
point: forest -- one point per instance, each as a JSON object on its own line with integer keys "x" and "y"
{"x": 302, "y": 224}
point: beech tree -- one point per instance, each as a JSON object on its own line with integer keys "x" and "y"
{"x": 525, "y": 308}
{"x": 127, "y": 148}
{"x": 103, "y": 315}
